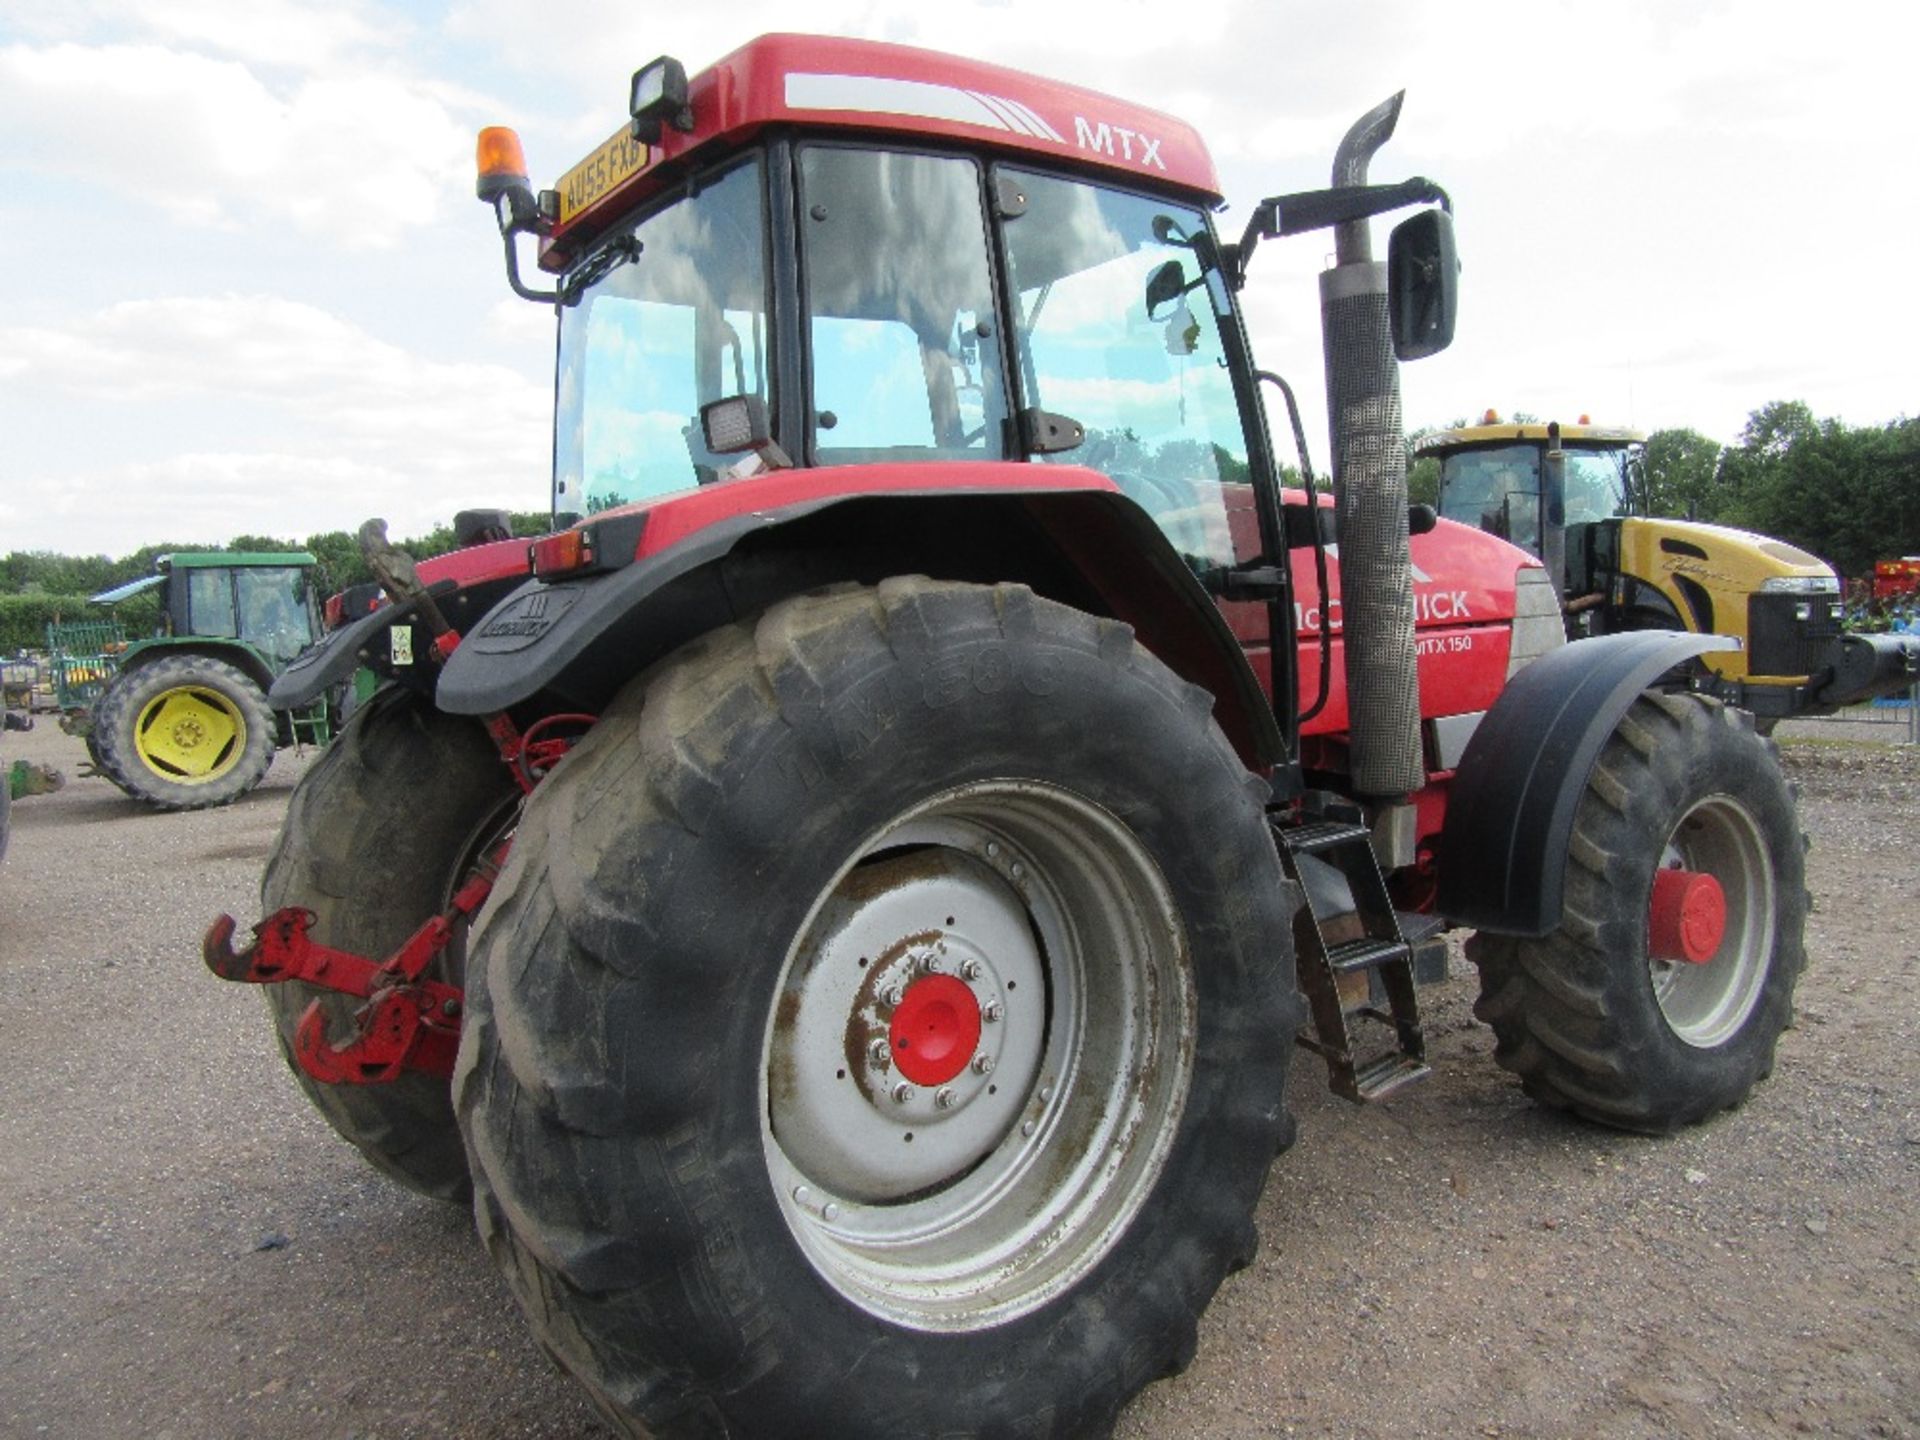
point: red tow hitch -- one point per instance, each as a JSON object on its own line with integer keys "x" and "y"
{"x": 408, "y": 1023}
{"x": 1688, "y": 916}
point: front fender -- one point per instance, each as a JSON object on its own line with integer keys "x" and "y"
{"x": 1503, "y": 847}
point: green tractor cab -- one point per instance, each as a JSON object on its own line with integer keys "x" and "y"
{"x": 180, "y": 719}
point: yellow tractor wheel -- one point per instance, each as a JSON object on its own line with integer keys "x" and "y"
{"x": 184, "y": 731}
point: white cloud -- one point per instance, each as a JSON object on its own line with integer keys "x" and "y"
{"x": 352, "y": 426}
{"x": 360, "y": 156}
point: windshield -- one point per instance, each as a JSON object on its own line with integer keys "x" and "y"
{"x": 274, "y": 613}
{"x": 654, "y": 340}
{"x": 1146, "y": 376}
{"x": 1596, "y": 485}
{"x": 1495, "y": 489}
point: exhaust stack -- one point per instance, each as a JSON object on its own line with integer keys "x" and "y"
{"x": 1370, "y": 491}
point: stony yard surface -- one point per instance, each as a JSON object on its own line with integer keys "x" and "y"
{"x": 187, "y": 1252}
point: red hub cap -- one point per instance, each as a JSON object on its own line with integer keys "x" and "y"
{"x": 935, "y": 1030}
{"x": 1688, "y": 916}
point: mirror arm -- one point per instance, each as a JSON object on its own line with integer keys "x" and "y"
{"x": 1282, "y": 215}
{"x": 518, "y": 214}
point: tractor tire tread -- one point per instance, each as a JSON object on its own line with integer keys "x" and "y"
{"x": 563, "y": 959}
{"x": 1572, "y": 1012}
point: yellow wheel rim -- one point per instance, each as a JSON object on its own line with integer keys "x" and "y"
{"x": 190, "y": 734}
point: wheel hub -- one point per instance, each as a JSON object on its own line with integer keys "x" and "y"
{"x": 1710, "y": 922}
{"x": 935, "y": 1029}
{"x": 1688, "y": 917}
{"x": 910, "y": 1041}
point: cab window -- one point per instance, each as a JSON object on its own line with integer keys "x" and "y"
{"x": 903, "y": 360}
{"x": 681, "y": 324}
{"x": 1118, "y": 316}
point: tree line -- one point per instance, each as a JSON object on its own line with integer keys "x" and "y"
{"x": 1849, "y": 494}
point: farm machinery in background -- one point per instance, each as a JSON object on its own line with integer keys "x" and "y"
{"x": 844, "y": 905}
{"x": 1576, "y": 496}
{"x": 180, "y": 718}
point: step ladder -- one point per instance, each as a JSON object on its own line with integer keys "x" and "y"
{"x": 1372, "y": 1045}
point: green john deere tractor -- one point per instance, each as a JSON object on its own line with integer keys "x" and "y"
{"x": 180, "y": 719}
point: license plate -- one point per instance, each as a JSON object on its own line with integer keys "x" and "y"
{"x": 617, "y": 161}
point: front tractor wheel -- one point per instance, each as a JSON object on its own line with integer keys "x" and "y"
{"x": 184, "y": 732}
{"x": 1658, "y": 1001}
{"x": 881, "y": 1026}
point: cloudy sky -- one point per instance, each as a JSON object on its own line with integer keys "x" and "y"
{"x": 245, "y": 287}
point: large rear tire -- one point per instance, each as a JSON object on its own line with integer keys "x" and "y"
{"x": 882, "y": 1025}
{"x": 184, "y": 732}
{"x": 1587, "y": 1019}
{"x": 380, "y": 831}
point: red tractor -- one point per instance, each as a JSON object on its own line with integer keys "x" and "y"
{"x": 845, "y": 904}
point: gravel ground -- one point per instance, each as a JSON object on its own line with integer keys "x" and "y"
{"x": 186, "y": 1251}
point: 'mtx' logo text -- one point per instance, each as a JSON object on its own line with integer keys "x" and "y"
{"x": 1116, "y": 140}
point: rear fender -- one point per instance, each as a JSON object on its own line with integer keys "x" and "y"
{"x": 1503, "y": 848}
{"x": 243, "y": 658}
{"x": 579, "y": 640}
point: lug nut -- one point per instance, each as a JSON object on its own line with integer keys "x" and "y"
{"x": 983, "y": 1064}
{"x": 991, "y": 1011}
{"x": 892, "y": 996}
{"x": 930, "y": 964}
{"x": 970, "y": 970}
{"x": 806, "y": 1200}
{"x": 880, "y": 1053}
{"x": 902, "y": 1093}
{"x": 944, "y": 1097}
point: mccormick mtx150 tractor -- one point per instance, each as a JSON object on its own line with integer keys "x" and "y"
{"x": 842, "y": 905}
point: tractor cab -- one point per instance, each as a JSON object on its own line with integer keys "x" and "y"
{"x": 1525, "y": 482}
{"x": 263, "y": 601}
{"x": 929, "y": 304}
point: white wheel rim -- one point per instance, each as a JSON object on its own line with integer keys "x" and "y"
{"x": 1026, "y": 1166}
{"x": 1705, "y": 1004}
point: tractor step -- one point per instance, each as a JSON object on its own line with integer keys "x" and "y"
{"x": 1351, "y": 929}
{"x": 1318, "y": 835}
{"x": 1379, "y": 1078}
{"x": 1350, "y": 957}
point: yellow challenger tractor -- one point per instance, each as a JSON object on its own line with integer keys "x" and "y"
{"x": 1576, "y": 496}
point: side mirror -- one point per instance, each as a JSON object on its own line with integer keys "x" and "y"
{"x": 1423, "y": 284}
{"x": 1421, "y": 519}
{"x": 1167, "y": 284}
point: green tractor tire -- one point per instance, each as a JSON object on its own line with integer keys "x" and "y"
{"x": 183, "y": 732}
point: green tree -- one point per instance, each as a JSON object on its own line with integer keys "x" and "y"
{"x": 1851, "y": 495}
{"x": 1683, "y": 475}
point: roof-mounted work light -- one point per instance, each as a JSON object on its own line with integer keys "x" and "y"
{"x": 659, "y": 97}
{"x": 739, "y": 423}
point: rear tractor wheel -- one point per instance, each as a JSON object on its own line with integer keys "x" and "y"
{"x": 1658, "y": 1001}
{"x": 881, "y": 1026}
{"x": 385, "y": 826}
{"x": 183, "y": 732}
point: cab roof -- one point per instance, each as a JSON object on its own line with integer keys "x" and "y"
{"x": 822, "y": 82}
{"x": 1441, "y": 441}
{"x": 206, "y": 559}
